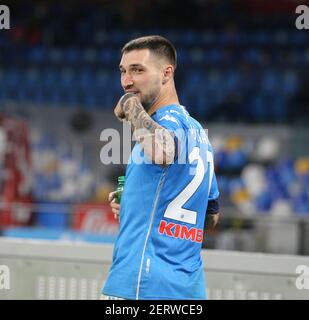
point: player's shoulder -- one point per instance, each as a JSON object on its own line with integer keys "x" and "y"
{"x": 176, "y": 115}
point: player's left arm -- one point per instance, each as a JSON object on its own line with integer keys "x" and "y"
{"x": 213, "y": 207}
{"x": 212, "y": 214}
{"x": 158, "y": 143}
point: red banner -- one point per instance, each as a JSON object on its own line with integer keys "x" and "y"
{"x": 94, "y": 218}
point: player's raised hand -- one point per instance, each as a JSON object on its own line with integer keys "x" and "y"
{"x": 115, "y": 206}
{"x": 119, "y": 109}
{"x": 118, "y": 112}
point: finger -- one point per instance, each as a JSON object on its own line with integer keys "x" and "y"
{"x": 126, "y": 97}
{"x": 118, "y": 112}
{"x": 115, "y": 205}
{"x": 111, "y": 196}
{"x": 117, "y": 217}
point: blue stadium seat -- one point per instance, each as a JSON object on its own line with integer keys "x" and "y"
{"x": 72, "y": 56}
{"x": 38, "y": 55}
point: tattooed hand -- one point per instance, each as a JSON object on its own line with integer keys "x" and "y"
{"x": 156, "y": 141}
{"x": 118, "y": 111}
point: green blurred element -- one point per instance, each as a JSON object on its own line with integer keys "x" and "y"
{"x": 120, "y": 187}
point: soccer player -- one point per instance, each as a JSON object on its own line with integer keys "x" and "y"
{"x": 166, "y": 196}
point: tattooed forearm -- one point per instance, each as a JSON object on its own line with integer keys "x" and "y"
{"x": 157, "y": 142}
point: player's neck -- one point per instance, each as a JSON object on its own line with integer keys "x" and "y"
{"x": 165, "y": 99}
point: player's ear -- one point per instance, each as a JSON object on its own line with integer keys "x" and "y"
{"x": 168, "y": 73}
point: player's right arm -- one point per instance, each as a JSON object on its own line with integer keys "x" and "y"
{"x": 156, "y": 141}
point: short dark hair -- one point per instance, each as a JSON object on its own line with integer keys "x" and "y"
{"x": 156, "y": 44}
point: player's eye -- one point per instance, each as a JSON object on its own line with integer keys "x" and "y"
{"x": 137, "y": 70}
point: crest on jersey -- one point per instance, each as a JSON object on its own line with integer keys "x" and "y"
{"x": 169, "y": 118}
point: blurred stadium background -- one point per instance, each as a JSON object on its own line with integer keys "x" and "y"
{"x": 242, "y": 71}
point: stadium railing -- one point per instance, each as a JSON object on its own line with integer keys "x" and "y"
{"x": 36, "y": 269}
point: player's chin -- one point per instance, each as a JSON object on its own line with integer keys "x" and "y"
{"x": 139, "y": 95}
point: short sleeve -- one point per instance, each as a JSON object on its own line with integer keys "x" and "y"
{"x": 174, "y": 125}
{"x": 214, "y": 191}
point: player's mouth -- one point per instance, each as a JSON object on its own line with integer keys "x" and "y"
{"x": 132, "y": 91}
{"x": 135, "y": 92}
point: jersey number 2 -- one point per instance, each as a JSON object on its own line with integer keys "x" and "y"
{"x": 175, "y": 210}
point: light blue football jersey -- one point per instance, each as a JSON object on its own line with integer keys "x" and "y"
{"x": 157, "y": 251}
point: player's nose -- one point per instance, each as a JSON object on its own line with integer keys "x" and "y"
{"x": 127, "y": 81}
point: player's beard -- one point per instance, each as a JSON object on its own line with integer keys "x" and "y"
{"x": 149, "y": 99}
